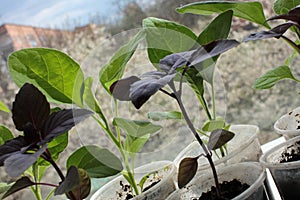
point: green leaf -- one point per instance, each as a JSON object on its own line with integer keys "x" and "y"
{"x": 270, "y": 78}
{"x": 251, "y": 11}
{"x": 187, "y": 170}
{"x": 157, "y": 116}
{"x": 52, "y": 71}
{"x": 283, "y": 6}
{"x": 56, "y": 146}
{"x": 136, "y": 128}
{"x": 5, "y": 187}
{"x": 98, "y": 162}
{"x": 196, "y": 83}
{"x": 134, "y": 144}
{"x": 211, "y": 125}
{"x": 20, "y": 184}
{"x": 114, "y": 70}
{"x": 166, "y": 37}
{"x": 5, "y": 134}
{"x": 3, "y": 107}
{"x": 218, "y": 138}
{"x": 218, "y": 29}
{"x": 90, "y": 99}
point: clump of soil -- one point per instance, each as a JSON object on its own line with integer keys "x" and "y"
{"x": 126, "y": 192}
{"x": 292, "y": 153}
{"x": 229, "y": 190}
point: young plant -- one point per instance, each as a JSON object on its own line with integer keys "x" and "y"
{"x": 183, "y": 65}
{"x": 63, "y": 89}
{"x": 44, "y": 137}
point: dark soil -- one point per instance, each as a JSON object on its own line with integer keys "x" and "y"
{"x": 292, "y": 153}
{"x": 229, "y": 190}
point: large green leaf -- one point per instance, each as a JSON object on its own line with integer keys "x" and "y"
{"x": 52, "y": 71}
{"x": 251, "y": 11}
{"x": 283, "y": 6}
{"x": 270, "y": 78}
{"x": 136, "y": 128}
{"x": 166, "y": 37}
{"x": 90, "y": 99}
{"x": 3, "y": 107}
{"x": 218, "y": 29}
{"x": 5, "y": 134}
{"x": 98, "y": 162}
{"x": 114, "y": 70}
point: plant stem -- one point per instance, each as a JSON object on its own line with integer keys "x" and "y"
{"x": 292, "y": 44}
{"x": 125, "y": 156}
{"x": 208, "y": 155}
{"x": 49, "y": 158}
{"x": 213, "y": 100}
{"x": 206, "y": 151}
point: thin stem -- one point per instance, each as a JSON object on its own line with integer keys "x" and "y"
{"x": 47, "y": 156}
{"x": 213, "y": 100}
{"x": 292, "y": 44}
{"x": 206, "y": 151}
{"x": 177, "y": 96}
{"x": 124, "y": 155}
{"x": 47, "y": 184}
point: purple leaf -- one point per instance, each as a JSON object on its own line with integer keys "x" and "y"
{"x": 211, "y": 50}
{"x": 30, "y": 107}
{"x": 16, "y": 164}
{"x": 218, "y": 138}
{"x": 292, "y": 15}
{"x": 142, "y": 90}
{"x": 10, "y": 147}
{"x": 187, "y": 170}
{"x": 20, "y": 184}
{"x": 120, "y": 89}
{"x": 62, "y": 121}
{"x": 173, "y": 61}
{"x": 71, "y": 181}
{"x": 276, "y": 32}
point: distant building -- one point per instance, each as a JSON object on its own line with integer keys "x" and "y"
{"x": 14, "y": 37}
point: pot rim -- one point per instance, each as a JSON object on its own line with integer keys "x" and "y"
{"x": 290, "y": 132}
{"x": 162, "y": 163}
{"x": 224, "y": 169}
{"x": 277, "y": 165}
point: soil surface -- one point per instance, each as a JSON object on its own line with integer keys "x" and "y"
{"x": 292, "y": 153}
{"x": 229, "y": 190}
{"x": 126, "y": 191}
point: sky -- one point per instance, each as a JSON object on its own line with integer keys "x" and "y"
{"x": 54, "y": 13}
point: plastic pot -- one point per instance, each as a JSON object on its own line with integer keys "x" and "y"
{"x": 286, "y": 175}
{"x": 166, "y": 170}
{"x": 252, "y": 173}
{"x": 288, "y": 125}
{"x": 243, "y": 147}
